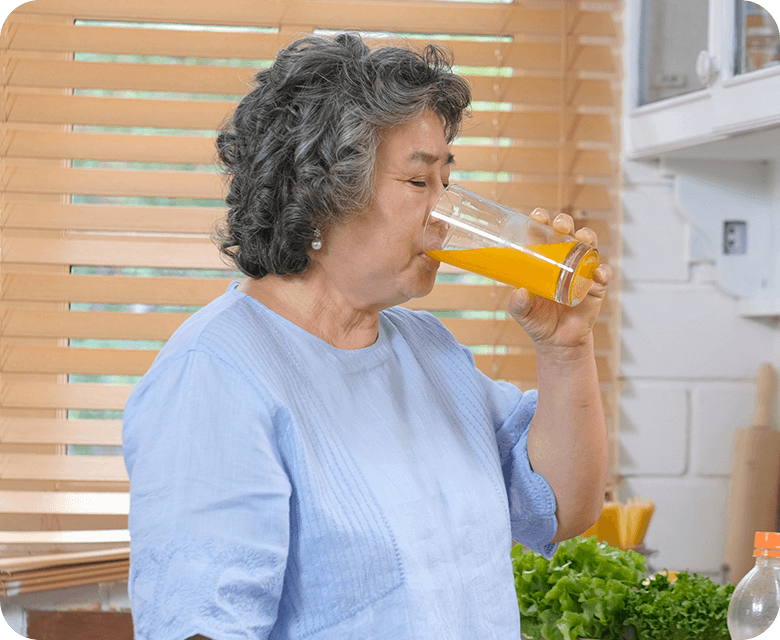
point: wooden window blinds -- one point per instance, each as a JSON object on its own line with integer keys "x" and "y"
{"x": 110, "y": 189}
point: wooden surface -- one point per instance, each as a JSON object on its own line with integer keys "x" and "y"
{"x": 79, "y": 625}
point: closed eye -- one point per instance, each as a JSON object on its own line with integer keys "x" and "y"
{"x": 418, "y": 183}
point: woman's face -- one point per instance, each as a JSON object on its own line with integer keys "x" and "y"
{"x": 376, "y": 258}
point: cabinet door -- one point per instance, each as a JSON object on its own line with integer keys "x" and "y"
{"x": 672, "y": 33}
{"x": 680, "y": 97}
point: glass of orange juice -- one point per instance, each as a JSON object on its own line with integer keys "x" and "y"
{"x": 469, "y": 231}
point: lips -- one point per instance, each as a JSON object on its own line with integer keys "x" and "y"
{"x": 433, "y": 246}
{"x": 431, "y": 262}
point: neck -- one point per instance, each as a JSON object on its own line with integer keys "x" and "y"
{"x": 307, "y": 301}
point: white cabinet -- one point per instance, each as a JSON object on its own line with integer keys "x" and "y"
{"x": 703, "y": 97}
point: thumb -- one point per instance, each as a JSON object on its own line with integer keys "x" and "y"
{"x": 520, "y": 303}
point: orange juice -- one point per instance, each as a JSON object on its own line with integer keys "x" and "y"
{"x": 540, "y": 275}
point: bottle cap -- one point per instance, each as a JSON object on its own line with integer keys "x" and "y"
{"x": 767, "y": 543}
{"x": 767, "y": 540}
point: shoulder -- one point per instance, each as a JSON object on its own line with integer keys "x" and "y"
{"x": 219, "y": 351}
{"x": 228, "y": 329}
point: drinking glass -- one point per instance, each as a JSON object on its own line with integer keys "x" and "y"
{"x": 474, "y": 233}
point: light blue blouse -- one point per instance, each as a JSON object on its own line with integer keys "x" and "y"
{"x": 282, "y": 488}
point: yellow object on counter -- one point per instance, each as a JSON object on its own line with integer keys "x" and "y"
{"x": 623, "y": 526}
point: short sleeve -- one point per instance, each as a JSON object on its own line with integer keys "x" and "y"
{"x": 531, "y": 499}
{"x": 209, "y": 503}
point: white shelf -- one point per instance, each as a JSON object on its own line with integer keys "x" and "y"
{"x": 759, "y": 307}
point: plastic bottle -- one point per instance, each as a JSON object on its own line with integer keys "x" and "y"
{"x": 755, "y": 603}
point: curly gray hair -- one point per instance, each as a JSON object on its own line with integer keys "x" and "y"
{"x": 300, "y": 148}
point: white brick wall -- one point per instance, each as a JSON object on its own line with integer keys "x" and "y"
{"x": 688, "y": 363}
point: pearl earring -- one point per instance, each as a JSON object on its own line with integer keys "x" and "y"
{"x": 316, "y": 244}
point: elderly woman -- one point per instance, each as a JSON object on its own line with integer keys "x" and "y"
{"x": 309, "y": 460}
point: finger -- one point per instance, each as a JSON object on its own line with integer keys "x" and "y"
{"x": 536, "y": 234}
{"x": 541, "y": 215}
{"x": 603, "y": 274}
{"x": 563, "y": 223}
{"x": 601, "y": 279}
{"x": 588, "y": 236}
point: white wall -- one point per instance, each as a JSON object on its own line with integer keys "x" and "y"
{"x": 688, "y": 366}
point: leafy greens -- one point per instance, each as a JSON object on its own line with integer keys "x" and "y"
{"x": 691, "y": 607}
{"x": 578, "y": 593}
{"x": 592, "y": 590}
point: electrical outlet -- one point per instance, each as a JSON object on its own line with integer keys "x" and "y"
{"x": 735, "y": 237}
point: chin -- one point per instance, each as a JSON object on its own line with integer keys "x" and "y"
{"x": 424, "y": 285}
{"x": 421, "y": 283}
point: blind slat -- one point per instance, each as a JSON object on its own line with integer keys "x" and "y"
{"x": 201, "y": 150}
{"x": 55, "y": 431}
{"x": 110, "y": 112}
{"x": 197, "y": 220}
{"x": 111, "y": 289}
{"x": 89, "y": 217}
{"x": 99, "y": 325}
{"x": 539, "y": 194}
{"x": 207, "y": 115}
{"x": 523, "y": 367}
{"x": 192, "y": 254}
{"x": 543, "y": 91}
{"x": 65, "y": 502}
{"x": 87, "y": 536}
{"x": 36, "y": 396}
{"x": 534, "y": 160}
{"x": 429, "y": 17}
{"x": 116, "y": 76}
{"x": 261, "y": 46}
{"x": 24, "y": 359}
{"x": 119, "y": 183}
{"x": 52, "y": 395}
{"x": 160, "y": 326}
{"x": 110, "y": 147}
{"x": 195, "y": 291}
{"x": 469, "y": 331}
{"x": 542, "y": 125}
{"x": 202, "y": 185}
{"x": 34, "y": 466}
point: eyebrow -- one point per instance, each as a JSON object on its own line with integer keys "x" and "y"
{"x": 430, "y": 158}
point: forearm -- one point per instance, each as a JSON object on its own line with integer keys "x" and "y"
{"x": 567, "y": 440}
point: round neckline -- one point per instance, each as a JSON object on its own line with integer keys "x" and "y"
{"x": 377, "y": 346}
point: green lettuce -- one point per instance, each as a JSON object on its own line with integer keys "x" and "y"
{"x": 579, "y": 593}
{"x": 690, "y": 607}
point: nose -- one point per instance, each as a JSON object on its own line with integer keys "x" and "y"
{"x": 436, "y": 193}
